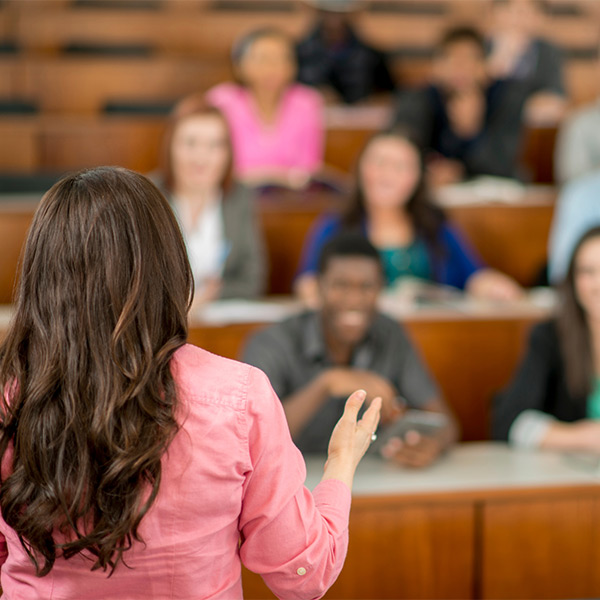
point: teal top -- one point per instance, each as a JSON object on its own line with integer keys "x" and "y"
{"x": 410, "y": 261}
{"x": 593, "y": 402}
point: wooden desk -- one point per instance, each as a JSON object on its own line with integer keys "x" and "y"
{"x": 509, "y": 237}
{"x": 471, "y": 352}
{"x": 484, "y": 522}
{"x": 471, "y": 349}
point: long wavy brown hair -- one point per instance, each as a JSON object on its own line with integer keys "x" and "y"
{"x": 574, "y": 330}
{"x": 89, "y": 401}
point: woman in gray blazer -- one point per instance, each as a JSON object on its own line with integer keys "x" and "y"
{"x": 216, "y": 215}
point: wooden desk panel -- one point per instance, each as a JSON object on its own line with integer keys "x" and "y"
{"x": 542, "y": 548}
{"x": 471, "y": 360}
{"x": 455, "y": 535}
{"x": 407, "y": 552}
{"x": 13, "y": 230}
{"x": 20, "y": 147}
{"x": 510, "y": 238}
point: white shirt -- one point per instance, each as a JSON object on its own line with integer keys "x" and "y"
{"x": 205, "y": 240}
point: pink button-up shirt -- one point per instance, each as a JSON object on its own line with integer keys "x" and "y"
{"x": 294, "y": 141}
{"x": 232, "y": 488}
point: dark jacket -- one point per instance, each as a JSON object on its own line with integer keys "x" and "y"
{"x": 494, "y": 151}
{"x": 540, "y": 383}
{"x": 353, "y": 69}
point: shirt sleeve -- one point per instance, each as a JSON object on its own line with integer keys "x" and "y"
{"x": 296, "y": 540}
{"x": 310, "y": 151}
{"x": 246, "y": 277}
{"x": 549, "y": 73}
{"x": 572, "y": 157}
{"x": 3, "y": 549}
{"x": 415, "y": 383}
{"x": 527, "y": 391}
{"x": 323, "y": 229}
{"x": 461, "y": 259}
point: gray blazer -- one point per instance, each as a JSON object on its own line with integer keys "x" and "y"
{"x": 245, "y": 271}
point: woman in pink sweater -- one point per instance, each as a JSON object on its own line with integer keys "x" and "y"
{"x": 134, "y": 465}
{"x": 276, "y": 125}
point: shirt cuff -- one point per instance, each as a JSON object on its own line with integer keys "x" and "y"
{"x": 529, "y": 429}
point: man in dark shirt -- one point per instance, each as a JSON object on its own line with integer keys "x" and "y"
{"x": 314, "y": 360}
{"x": 469, "y": 124}
{"x": 333, "y": 55}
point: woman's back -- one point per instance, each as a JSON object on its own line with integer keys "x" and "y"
{"x": 232, "y": 450}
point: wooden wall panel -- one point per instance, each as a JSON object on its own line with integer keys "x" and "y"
{"x": 83, "y": 85}
{"x": 74, "y": 144}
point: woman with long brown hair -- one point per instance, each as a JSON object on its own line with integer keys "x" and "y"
{"x": 554, "y": 398}
{"x": 135, "y": 465}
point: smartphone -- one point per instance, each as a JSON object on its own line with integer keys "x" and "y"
{"x": 425, "y": 422}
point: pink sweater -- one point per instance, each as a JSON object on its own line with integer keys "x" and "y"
{"x": 232, "y": 489}
{"x": 294, "y": 141}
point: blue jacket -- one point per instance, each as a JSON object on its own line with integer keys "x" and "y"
{"x": 453, "y": 265}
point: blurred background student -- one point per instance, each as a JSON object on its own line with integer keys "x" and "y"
{"x": 276, "y": 124}
{"x": 554, "y": 398}
{"x": 469, "y": 123}
{"x": 577, "y": 150}
{"x": 519, "y": 53}
{"x": 314, "y": 358}
{"x": 391, "y": 206}
{"x": 334, "y": 58}
{"x": 216, "y": 214}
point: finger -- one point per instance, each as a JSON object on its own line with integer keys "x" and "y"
{"x": 392, "y": 448}
{"x": 370, "y": 419}
{"x": 353, "y": 404}
{"x": 412, "y": 438}
{"x": 411, "y": 459}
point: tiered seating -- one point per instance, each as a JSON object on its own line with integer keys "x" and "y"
{"x": 188, "y": 43}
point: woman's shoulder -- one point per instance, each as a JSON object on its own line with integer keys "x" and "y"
{"x": 225, "y": 93}
{"x": 204, "y": 376}
{"x": 303, "y": 95}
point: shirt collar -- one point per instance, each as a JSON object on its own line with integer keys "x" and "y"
{"x": 316, "y": 350}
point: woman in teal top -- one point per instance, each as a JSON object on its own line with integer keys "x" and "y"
{"x": 392, "y": 208}
{"x": 554, "y": 398}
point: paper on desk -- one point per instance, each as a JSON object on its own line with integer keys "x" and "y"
{"x": 481, "y": 190}
{"x": 419, "y": 299}
{"x": 225, "y": 312}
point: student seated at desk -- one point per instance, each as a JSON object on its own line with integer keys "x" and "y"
{"x": 517, "y": 52}
{"x": 312, "y": 359}
{"x": 469, "y": 123}
{"x": 554, "y": 398}
{"x": 222, "y": 236}
{"x": 333, "y": 57}
{"x": 391, "y": 206}
{"x": 276, "y": 125}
